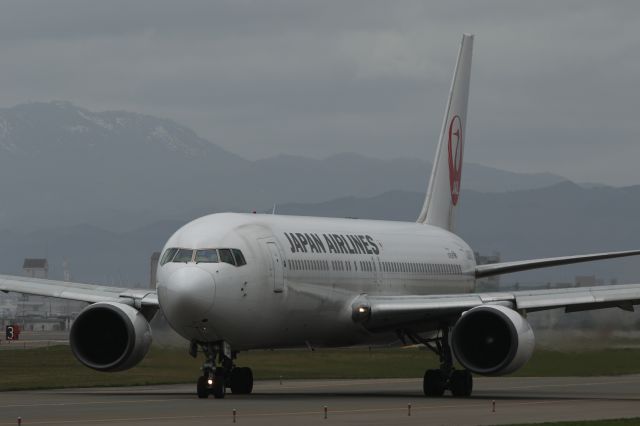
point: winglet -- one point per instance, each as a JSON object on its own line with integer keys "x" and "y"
{"x": 444, "y": 186}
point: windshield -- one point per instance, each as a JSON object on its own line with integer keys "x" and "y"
{"x": 183, "y": 255}
{"x": 210, "y": 255}
{"x": 207, "y": 256}
{"x": 168, "y": 255}
{"x": 226, "y": 256}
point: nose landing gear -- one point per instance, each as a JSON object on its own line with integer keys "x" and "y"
{"x": 219, "y": 372}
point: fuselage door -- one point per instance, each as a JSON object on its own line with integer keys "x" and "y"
{"x": 377, "y": 270}
{"x": 276, "y": 270}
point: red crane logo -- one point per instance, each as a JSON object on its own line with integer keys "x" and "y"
{"x": 455, "y": 157}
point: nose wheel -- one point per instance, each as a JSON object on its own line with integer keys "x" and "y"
{"x": 220, "y": 373}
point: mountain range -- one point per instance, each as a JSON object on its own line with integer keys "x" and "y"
{"x": 62, "y": 165}
{"x": 105, "y": 189}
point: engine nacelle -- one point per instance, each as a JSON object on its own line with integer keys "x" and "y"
{"x": 492, "y": 340}
{"x": 109, "y": 336}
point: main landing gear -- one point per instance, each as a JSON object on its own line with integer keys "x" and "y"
{"x": 437, "y": 381}
{"x": 220, "y": 373}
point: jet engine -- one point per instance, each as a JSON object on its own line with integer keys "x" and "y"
{"x": 109, "y": 336}
{"x": 492, "y": 340}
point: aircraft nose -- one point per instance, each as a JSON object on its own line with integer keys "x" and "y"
{"x": 187, "y": 294}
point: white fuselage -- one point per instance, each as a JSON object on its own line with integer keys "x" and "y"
{"x": 301, "y": 276}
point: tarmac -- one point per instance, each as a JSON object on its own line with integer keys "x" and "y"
{"x": 347, "y": 402}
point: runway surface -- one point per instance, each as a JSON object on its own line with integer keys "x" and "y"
{"x": 366, "y": 402}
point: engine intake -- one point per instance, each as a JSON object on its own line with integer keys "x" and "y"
{"x": 109, "y": 336}
{"x": 492, "y": 340}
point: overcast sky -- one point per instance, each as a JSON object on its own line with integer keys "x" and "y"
{"x": 555, "y": 84}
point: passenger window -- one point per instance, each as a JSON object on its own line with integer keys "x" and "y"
{"x": 226, "y": 256}
{"x": 183, "y": 256}
{"x": 168, "y": 255}
{"x": 207, "y": 256}
{"x": 239, "y": 257}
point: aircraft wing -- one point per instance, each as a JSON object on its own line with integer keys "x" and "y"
{"x": 390, "y": 312}
{"x": 137, "y": 298}
{"x": 525, "y": 265}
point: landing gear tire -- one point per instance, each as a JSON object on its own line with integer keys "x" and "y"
{"x": 434, "y": 383}
{"x": 241, "y": 381}
{"x": 461, "y": 383}
{"x": 219, "y": 389}
{"x": 203, "y": 391}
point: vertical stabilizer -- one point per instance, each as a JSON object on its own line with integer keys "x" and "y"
{"x": 444, "y": 186}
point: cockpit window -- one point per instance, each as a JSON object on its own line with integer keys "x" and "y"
{"x": 168, "y": 255}
{"x": 226, "y": 256}
{"x": 207, "y": 256}
{"x": 239, "y": 257}
{"x": 183, "y": 256}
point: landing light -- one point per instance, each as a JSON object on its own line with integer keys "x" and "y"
{"x": 361, "y": 313}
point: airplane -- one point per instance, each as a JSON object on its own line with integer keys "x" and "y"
{"x": 234, "y": 282}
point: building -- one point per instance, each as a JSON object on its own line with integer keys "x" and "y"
{"x": 587, "y": 281}
{"x": 155, "y": 258}
{"x": 35, "y": 268}
{"x": 39, "y": 313}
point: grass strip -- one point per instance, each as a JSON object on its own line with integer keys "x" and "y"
{"x": 55, "y": 367}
